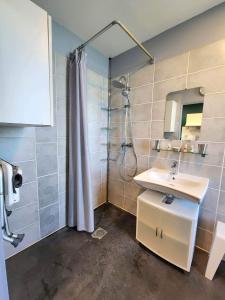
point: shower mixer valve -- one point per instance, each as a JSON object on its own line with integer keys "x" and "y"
{"x": 129, "y": 145}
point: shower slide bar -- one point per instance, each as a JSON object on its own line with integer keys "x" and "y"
{"x": 115, "y": 22}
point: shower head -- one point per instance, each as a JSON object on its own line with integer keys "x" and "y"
{"x": 121, "y": 83}
{"x": 117, "y": 84}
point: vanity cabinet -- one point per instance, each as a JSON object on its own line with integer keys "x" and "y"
{"x": 169, "y": 230}
{"x": 25, "y": 64}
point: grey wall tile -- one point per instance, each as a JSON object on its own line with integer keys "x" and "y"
{"x": 62, "y": 215}
{"x": 62, "y": 183}
{"x": 48, "y": 190}
{"x": 211, "y": 199}
{"x": 61, "y": 107}
{"x": 163, "y": 88}
{"x": 212, "y": 80}
{"x": 62, "y": 198}
{"x": 141, "y": 112}
{"x": 130, "y": 206}
{"x": 116, "y": 192}
{"x": 142, "y": 76}
{"x": 61, "y": 146}
{"x": 23, "y": 217}
{"x": 17, "y": 149}
{"x": 141, "y": 129}
{"x": 209, "y": 56}
{"x": 142, "y": 94}
{"x": 46, "y": 158}
{"x": 207, "y": 219}
{"x": 157, "y": 130}
{"x": 160, "y": 163}
{"x": 28, "y": 195}
{"x": 142, "y": 163}
{"x": 141, "y": 146}
{"x": 113, "y": 171}
{"x": 61, "y": 126}
{"x": 49, "y": 219}
{"x": 204, "y": 239}
{"x": 46, "y": 134}
{"x": 29, "y": 170}
{"x": 62, "y": 164}
{"x": 32, "y": 235}
{"x": 115, "y": 116}
{"x": 158, "y": 110}
{"x": 214, "y": 106}
{"x": 132, "y": 190}
{"x": 211, "y": 172}
{"x": 171, "y": 67}
{"x": 17, "y": 131}
{"x": 210, "y": 132}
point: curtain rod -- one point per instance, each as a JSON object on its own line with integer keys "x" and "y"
{"x": 125, "y": 30}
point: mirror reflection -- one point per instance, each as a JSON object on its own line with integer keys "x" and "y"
{"x": 183, "y": 114}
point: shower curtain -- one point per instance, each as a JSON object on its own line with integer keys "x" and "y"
{"x": 80, "y": 204}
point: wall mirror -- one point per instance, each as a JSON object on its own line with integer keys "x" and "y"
{"x": 183, "y": 114}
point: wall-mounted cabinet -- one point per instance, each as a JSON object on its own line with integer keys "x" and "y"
{"x": 25, "y": 64}
{"x": 169, "y": 230}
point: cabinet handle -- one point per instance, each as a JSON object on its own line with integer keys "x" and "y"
{"x": 161, "y": 234}
{"x": 156, "y": 231}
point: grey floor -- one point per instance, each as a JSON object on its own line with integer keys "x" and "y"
{"x": 69, "y": 265}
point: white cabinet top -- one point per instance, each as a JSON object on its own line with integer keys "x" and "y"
{"x": 182, "y": 207}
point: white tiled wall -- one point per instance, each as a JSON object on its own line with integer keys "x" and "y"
{"x": 150, "y": 85}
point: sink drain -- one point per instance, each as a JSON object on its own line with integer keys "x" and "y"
{"x": 99, "y": 233}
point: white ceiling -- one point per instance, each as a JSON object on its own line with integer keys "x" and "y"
{"x": 144, "y": 18}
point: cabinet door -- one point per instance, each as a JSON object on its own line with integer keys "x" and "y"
{"x": 25, "y": 84}
{"x": 148, "y": 220}
{"x": 175, "y": 238}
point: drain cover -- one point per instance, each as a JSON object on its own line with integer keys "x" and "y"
{"x": 99, "y": 233}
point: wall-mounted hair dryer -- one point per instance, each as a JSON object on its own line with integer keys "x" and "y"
{"x": 10, "y": 181}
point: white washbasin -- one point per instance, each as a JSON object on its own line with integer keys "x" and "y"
{"x": 181, "y": 185}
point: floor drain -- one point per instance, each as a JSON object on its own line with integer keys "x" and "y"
{"x": 99, "y": 233}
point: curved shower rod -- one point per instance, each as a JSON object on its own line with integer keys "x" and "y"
{"x": 115, "y": 22}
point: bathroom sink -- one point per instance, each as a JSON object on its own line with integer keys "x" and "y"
{"x": 181, "y": 185}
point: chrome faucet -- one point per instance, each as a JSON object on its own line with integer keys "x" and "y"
{"x": 173, "y": 168}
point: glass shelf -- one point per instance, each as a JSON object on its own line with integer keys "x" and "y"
{"x": 175, "y": 151}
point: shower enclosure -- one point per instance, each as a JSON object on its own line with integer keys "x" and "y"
{"x": 126, "y": 158}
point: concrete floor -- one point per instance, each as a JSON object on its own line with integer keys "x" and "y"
{"x": 72, "y": 266}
